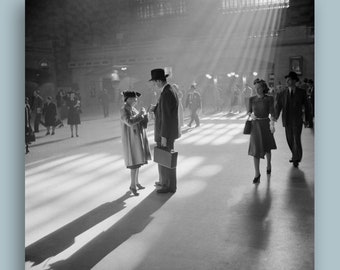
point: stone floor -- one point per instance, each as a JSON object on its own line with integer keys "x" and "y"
{"x": 80, "y": 215}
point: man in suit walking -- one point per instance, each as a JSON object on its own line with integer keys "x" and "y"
{"x": 166, "y": 126}
{"x": 194, "y": 103}
{"x": 294, "y": 106}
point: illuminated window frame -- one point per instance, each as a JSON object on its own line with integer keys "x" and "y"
{"x": 149, "y": 9}
{"x": 230, "y": 6}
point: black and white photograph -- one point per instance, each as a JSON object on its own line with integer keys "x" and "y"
{"x": 169, "y": 135}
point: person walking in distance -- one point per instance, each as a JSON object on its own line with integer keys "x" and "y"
{"x": 73, "y": 117}
{"x": 37, "y": 109}
{"x": 50, "y": 113}
{"x": 194, "y": 103}
{"x": 60, "y": 102}
{"x": 294, "y": 105}
{"x": 105, "y": 101}
{"x": 166, "y": 126}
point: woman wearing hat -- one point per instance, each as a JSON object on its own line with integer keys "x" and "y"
{"x": 261, "y": 138}
{"x": 135, "y": 143}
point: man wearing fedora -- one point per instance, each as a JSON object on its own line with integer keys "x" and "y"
{"x": 166, "y": 126}
{"x": 294, "y": 106}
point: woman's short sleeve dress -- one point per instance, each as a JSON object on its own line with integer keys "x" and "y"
{"x": 261, "y": 138}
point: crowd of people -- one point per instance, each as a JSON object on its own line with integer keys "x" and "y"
{"x": 263, "y": 108}
{"x": 264, "y": 105}
{"x": 51, "y": 114}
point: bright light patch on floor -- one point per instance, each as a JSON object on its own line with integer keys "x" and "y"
{"x": 215, "y": 134}
{"x": 49, "y": 180}
{"x": 52, "y": 164}
{"x": 200, "y": 133}
{"x": 229, "y": 135}
{"x": 188, "y": 164}
{"x": 241, "y": 140}
{"x": 208, "y": 170}
{"x": 191, "y": 188}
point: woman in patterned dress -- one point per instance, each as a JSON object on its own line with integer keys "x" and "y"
{"x": 261, "y": 138}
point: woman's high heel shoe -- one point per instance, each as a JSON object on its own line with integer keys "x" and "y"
{"x": 134, "y": 191}
{"x": 257, "y": 179}
{"x": 139, "y": 186}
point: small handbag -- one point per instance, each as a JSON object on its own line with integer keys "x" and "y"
{"x": 144, "y": 122}
{"x": 163, "y": 156}
{"x": 247, "y": 127}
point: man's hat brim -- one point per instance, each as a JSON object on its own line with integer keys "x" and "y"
{"x": 160, "y": 78}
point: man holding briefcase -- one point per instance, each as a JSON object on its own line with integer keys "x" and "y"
{"x": 166, "y": 126}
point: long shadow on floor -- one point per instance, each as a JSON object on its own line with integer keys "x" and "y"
{"x": 250, "y": 228}
{"x": 63, "y": 238}
{"x": 300, "y": 199}
{"x": 256, "y": 224}
{"x": 134, "y": 222}
{"x": 300, "y": 202}
{"x": 100, "y": 141}
{"x": 256, "y": 230}
{"x": 49, "y": 142}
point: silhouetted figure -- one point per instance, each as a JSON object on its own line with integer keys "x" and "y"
{"x": 194, "y": 103}
{"x": 74, "y": 109}
{"x": 105, "y": 101}
{"x": 50, "y": 113}
{"x": 37, "y": 109}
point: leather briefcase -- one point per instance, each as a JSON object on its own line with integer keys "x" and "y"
{"x": 164, "y": 157}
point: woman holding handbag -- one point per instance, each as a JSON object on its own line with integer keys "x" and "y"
{"x": 261, "y": 137}
{"x": 135, "y": 142}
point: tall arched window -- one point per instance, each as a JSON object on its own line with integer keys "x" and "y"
{"x": 229, "y": 6}
{"x": 147, "y": 9}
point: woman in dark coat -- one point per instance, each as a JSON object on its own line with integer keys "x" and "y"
{"x": 135, "y": 142}
{"x": 73, "y": 117}
{"x": 261, "y": 138}
{"x": 50, "y": 112}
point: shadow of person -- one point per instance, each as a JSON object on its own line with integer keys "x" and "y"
{"x": 61, "y": 239}
{"x": 48, "y": 142}
{"x": 300, "y": 201}
{"x": 256, "y": 223}
{"x": 100, "y": 141}
{"x": 250, "y": 228}
{"x": 186, "y": 129}
{"x": 134, "y": 222}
